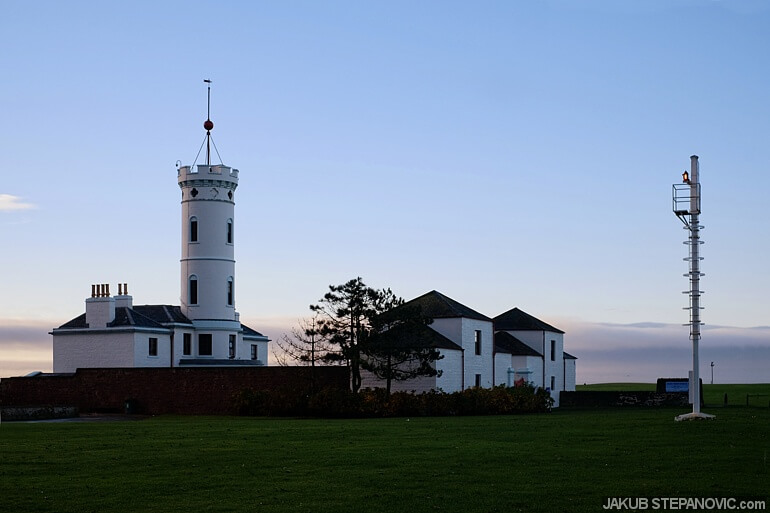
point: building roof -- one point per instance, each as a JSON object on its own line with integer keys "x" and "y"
{"x": 436, "y": 305}
{"x": 418, "y": 335}
{"x": 248, "y": 332}
{"x": 507, "y": 343}
{"x": 125, "y": 316}
{"x": 163, "y": 314}
{"x": 141, "y": 316}
{"x": 518, "y": 320}
{"x": 568, "y": 356}
{"x": 76, "y": 323}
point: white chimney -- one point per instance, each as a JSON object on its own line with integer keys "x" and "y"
{"x": 100, "y": 307}
{"x": 123, "y": 299}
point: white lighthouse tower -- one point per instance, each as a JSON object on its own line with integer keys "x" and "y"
{"x": 204, "y": 330}
{"x": 208, "y": 256}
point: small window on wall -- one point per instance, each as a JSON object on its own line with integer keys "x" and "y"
{"x": 553, "y": 382}
{"x": 229, "y": 231}
{"x": 204, "y": 344}
{"x": 231, "y": 347}
{"x": 477, "y": 341}
{"x": 153, "y": 347}
{"x": 193, "y": 290}
{"x": 193, "y": 229}
{"x": 254, "y": 352}
{"x": 553, "y": 350}
{"x": 478, "y": 380}
{"x": 230, "y": 291}
{"x": 187, "y": 344}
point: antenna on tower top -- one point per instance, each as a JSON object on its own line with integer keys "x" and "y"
{"x": 208, "y": 124}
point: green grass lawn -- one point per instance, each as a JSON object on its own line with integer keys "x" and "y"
{"x": 563, "y": 461}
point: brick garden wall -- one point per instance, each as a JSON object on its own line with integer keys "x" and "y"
{"x": 197, "y": 391}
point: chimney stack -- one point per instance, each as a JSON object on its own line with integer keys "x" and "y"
{"x": 100, "y": 307}
{"x": 123, "y": 299}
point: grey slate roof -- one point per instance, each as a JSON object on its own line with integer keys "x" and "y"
{"x": 518, "y": 320}
{"x": 143, "y": 316}
{"x": 507, "y": 343}
{"x": 436, "y": 305}
{"x": 250, "y": 333}
{"x": 568, "y": 356}
{"x": 76, "y": 323}
{"x": 128, "y": 317}
{"x": 163, "y": 313}
{"x": 424, "y": 336}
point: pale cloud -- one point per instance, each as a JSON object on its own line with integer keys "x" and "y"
{"x": 11, "y": 203}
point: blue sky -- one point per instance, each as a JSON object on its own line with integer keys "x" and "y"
{"x": 504, "y": 153}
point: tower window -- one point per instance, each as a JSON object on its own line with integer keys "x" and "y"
{"x": 229, "y": 231}
{"x": 230, "y": 291}
{"x": 478, "y": 380}
{"x": 204, "y": 344}
{"x": 553, "y": 350}
{"x": 231, "y": 347}
{"x": 477, "y": 341}
{"x": 186, "y": 344}
{"x": 193, "y": 229}
{"x": 193, "y": 290}
{"x": 254, "y": 353}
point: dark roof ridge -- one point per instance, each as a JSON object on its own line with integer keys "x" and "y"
{"x": 437, "y": 305}
{"x": 516, "y": 319}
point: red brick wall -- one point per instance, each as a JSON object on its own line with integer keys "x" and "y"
{"x": 198, "y": 391}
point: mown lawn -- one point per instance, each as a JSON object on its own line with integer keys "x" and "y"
{"x": 563, "y": 461}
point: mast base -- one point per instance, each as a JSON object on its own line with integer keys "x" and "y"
{"x": 694, "y": 416}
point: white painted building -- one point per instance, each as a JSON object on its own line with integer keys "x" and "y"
{"x": 204, "y": 330}
{"x": 482, "y": 351}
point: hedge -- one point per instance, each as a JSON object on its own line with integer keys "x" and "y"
{"x": 336, "y": 403}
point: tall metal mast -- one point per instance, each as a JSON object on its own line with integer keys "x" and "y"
{"x": 687, "y": 208}
{"x": 208, "y": 124}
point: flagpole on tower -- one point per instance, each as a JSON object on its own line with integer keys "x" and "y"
{"x": 208, "y": 124}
